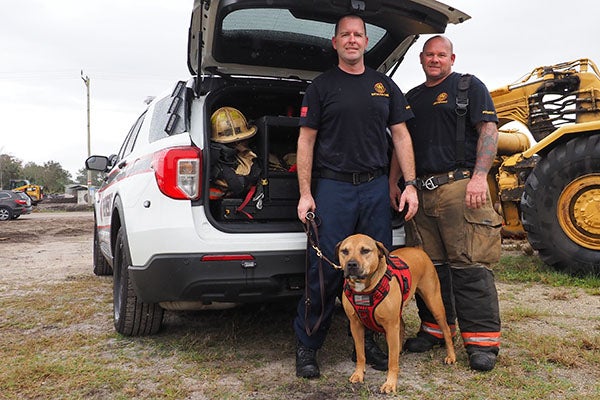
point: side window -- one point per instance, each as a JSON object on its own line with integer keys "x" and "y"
{"x": 4, "y": 196}
{"x": 131, "y": 137}
{"x": 170, "y": 114}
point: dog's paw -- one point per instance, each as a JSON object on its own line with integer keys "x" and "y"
{"x": 450, "y": 360}
{"x": 357, "y": 377}
{"x": 388, "y": 387}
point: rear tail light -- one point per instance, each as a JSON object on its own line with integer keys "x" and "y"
{"x": 178, "y": 172}
{"x": 21, "y": 202}
{"x": 247, "y": 261}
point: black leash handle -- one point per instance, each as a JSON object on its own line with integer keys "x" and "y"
{"x": 312, "y": 233}
{"x": 310, "y": 227}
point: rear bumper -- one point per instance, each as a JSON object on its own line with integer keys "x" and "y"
{"x": 17, "y": 212}
{"x": 186, "y": 277}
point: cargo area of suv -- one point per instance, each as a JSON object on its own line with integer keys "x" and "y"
{"x": 272, "y": 107}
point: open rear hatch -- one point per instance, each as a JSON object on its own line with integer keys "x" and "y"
{"x": 268, "y": 51}
{"x": 292, "y": 38}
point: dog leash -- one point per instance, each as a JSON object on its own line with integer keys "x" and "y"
{"x": 312, "y": 233}
{"x": 310, "y": 227}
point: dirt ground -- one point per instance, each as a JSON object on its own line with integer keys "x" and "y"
{"x": 59, "y": 245}
{"x": 58, "y": 242}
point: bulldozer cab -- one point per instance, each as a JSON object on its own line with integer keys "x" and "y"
{"x": 35, "y": 192}
{"x": 16, "y": 183}
{"x": 550, "y": 97}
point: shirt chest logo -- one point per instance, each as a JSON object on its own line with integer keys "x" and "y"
{"x": 380, "y": 90}
{"x": 442, "y": 98}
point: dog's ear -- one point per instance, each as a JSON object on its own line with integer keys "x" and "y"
{"x": 337, "y": 248}
{"x": 383, "y": 252}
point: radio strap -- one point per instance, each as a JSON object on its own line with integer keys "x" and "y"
{"x": 462, "y": 103}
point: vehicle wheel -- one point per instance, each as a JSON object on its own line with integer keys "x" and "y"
{"x": 131, "y": 317}
{"x": 5, "y": 214}
{"x": 101, "y": 266}
{"x": 560, "y": 206}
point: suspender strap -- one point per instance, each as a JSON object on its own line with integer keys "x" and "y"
{"x": 462, "y": 102}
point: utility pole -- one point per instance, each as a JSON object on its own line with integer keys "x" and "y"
{"x": 1, "y": 154}
{"x": 86, "y": 81}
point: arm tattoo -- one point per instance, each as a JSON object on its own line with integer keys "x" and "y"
{"x": 486, "y": 146}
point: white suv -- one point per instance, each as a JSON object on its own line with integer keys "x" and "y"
{"x": 169, "y": 244}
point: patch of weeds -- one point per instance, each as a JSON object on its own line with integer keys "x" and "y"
{"x": 520, "y": 313}
{"x": 526, "y": 269}
{"x": 560, "y": 350}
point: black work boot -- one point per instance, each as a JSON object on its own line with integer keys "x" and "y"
{"x": 306, "y": 362}
{"x": 375, "y": 357}
{"x": 422, "y": 343}
{"x": 482, "y": 361}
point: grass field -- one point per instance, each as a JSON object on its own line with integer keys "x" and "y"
{"x": 57, "y": 342}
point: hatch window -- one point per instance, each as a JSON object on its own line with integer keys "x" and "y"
{"x": 282, "y": 23}
{"x": 276, "y": 38}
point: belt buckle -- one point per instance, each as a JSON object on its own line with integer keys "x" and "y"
{"x": 429, "y": 184}
{"x": 356, "y": 178}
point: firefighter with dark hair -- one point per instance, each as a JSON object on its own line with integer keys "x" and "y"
{"x": 342, "y": 161}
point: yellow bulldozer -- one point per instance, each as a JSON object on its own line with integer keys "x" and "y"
{"x": 546, "y": 178}
{"x": 35, "y": 192}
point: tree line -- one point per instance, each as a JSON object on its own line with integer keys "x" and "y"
{"x": 51, "y": 175}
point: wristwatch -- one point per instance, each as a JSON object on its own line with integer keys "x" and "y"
{"x": 412, "y": 182}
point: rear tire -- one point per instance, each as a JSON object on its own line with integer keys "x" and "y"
{"x": 559, "y": 206}
{"x": 5, "y": 214}
{"x": 101, "y": 266}
{"x": 131, "y": 316}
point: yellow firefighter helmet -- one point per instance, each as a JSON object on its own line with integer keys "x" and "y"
{"x": 229, "y": 125}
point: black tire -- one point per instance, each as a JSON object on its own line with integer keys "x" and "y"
{"x": 101, "y": 266}
{"x": 6, "y": 214}
{"x": 559, "y": 206}
{"x": 131, "y": 316}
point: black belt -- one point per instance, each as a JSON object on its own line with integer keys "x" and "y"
{"x": 354, "y": 178}
{"x": 434, "y": 181}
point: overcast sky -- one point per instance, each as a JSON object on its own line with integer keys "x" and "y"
{"x": 132, "y": 49}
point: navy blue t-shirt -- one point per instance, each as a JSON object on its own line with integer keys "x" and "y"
{"x": 351, "y": 114}
{"x": 433, "y": 130}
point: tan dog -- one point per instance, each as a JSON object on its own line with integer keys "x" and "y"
{"x": 364, "y": 261}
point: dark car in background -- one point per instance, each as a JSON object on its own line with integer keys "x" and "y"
{"x": 13, "y": 205}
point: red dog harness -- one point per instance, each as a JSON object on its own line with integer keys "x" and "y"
{"x": 366, "y": 303}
